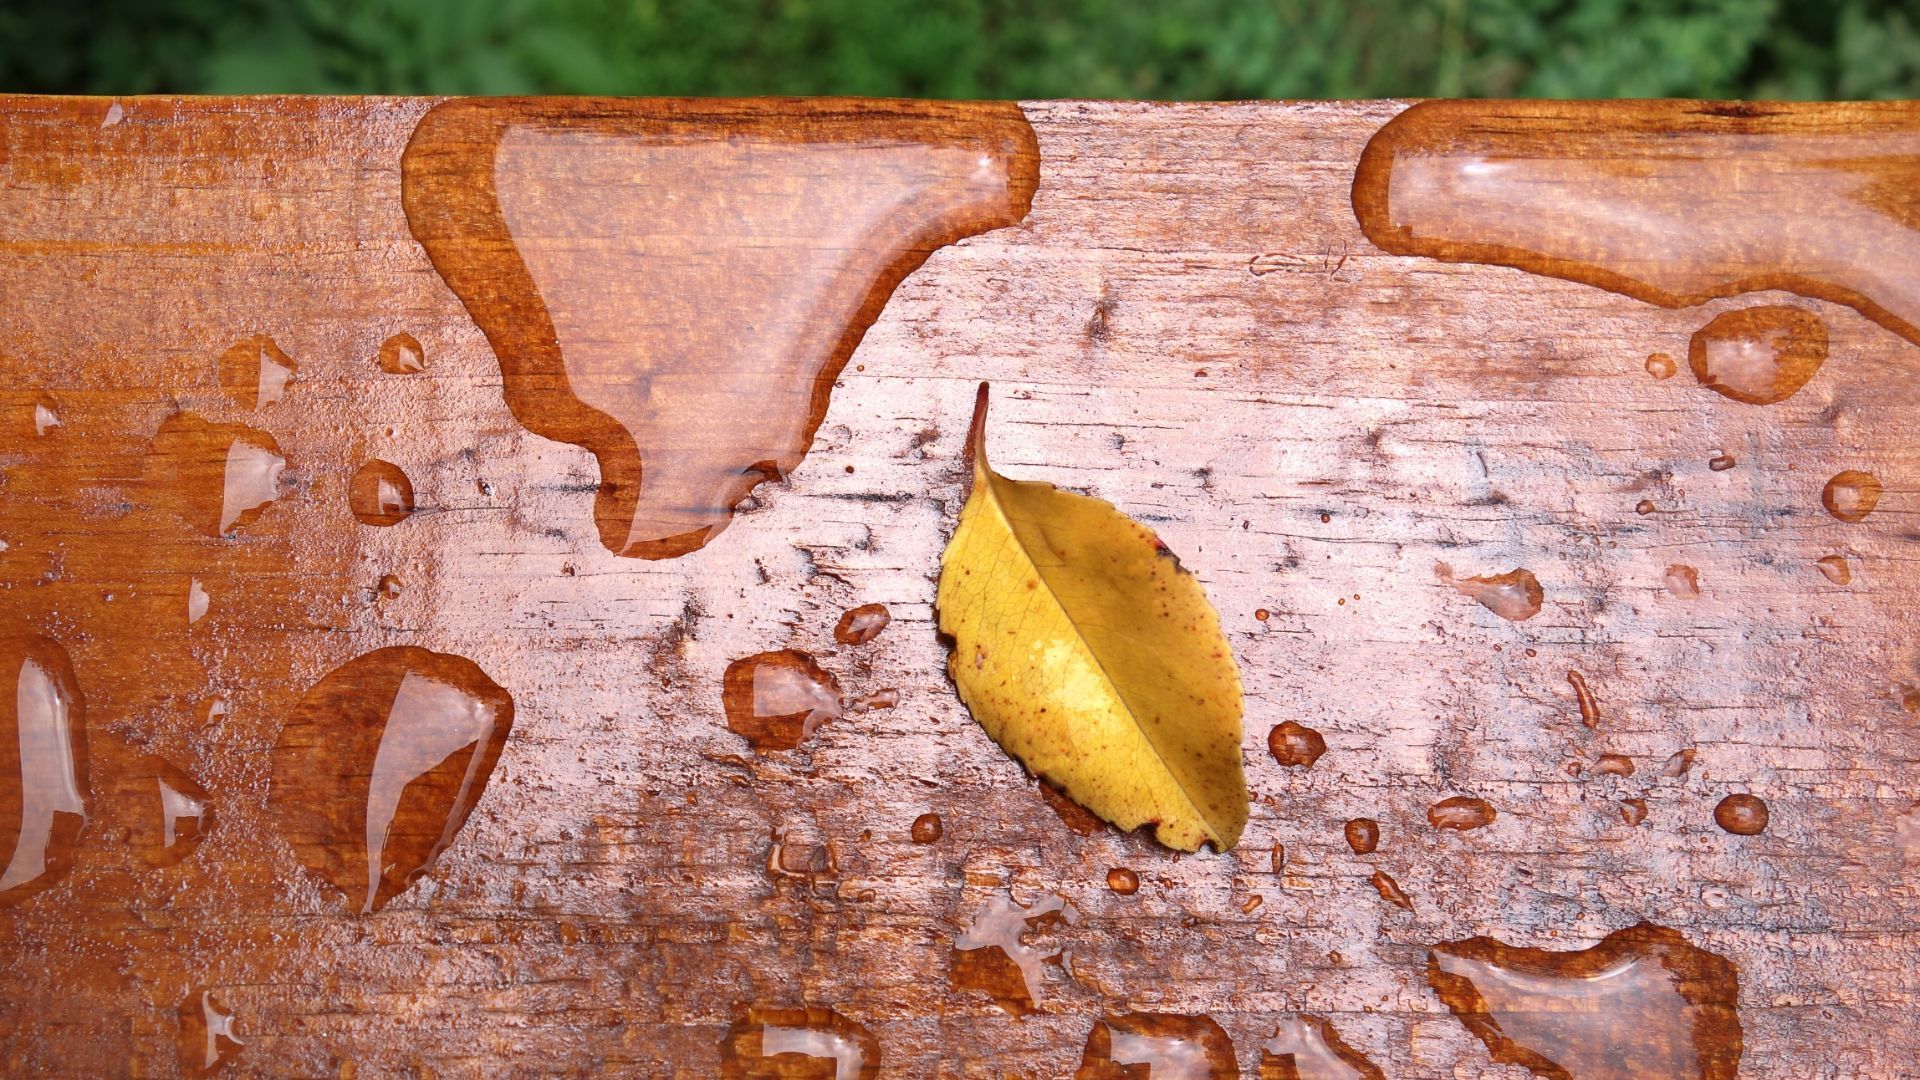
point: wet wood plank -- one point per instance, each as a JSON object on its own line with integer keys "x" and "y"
{"x": 1189, "y": 323}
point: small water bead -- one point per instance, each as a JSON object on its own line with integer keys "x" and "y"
{"x": 1836, "y": 569}
{"x": 1261, "y": 615}
{"x": 1278, "y": 857}
{"x": 788, "y": 1044}
{"x": 401, "y": 354}
{"x": 1308, "y": 1048}
{"x": 1169, "y": 1046}
{"x": 1678, "y": 763}
{"x": 390, "y": 587}
{"x": 194, "y": 466}
{"x": 776, "y": 699}
{"x": 1742, "y": 814}
{"x": 115, "y": 114}
{"x": 1721, "y": 462}
{"x": 1758, "y": 355}
{"x": 1123, "y": 881}
{"x": 1294, "y": 744}
{"x": 1633, "y": 811}
{"x": 1390, "y": 890}
{"x": 927, "y": 829}
{"x": 1906, "y": 833}
{"x": 886, "y": 697}
{"x": 209, "y": 1035}
{"x": 1851, "y": 495}
{"x": 46, "y": 416}
{"x": 176, "y": 811}
{"x": 380, "y": 764}
{"x": 1461, "y": 812}
{"x": 1642, "y": 1003}
{"x": 1514, "y": 596}
{"x": 1661, "y": 366}
{"x": 255, "y": 372}
{"x": 858, "y": 626}
{"x": 1363, "y": 835}
{"x": 1683, "y": 581}
{"x": 44, "y": 796}
{"x": 380, "y": 494}
{"x": 1644, "y": 507}
{"x": 1613, "y": 765}
{"x": 992, "y": 955}
{"x": 197, "y": 601}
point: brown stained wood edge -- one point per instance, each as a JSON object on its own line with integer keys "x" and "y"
{"x": 1190, "y": 323}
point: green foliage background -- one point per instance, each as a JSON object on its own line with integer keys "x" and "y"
{"x": 1166, "y": 49}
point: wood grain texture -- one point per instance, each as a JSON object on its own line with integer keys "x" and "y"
{"x": 1189, "y": 324}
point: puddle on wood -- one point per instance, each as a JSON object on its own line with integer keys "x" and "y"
{"x": 1644, "y": 1002}
{"x": 1162, "y": 1046}
{"x": 209, "y": 1036}
{"x": 380, "y": 764}
{"x": 255, "y": 373}
{"x": 774, "y": 700}
{"x": 1308, "y": 1048}
{"x": 1671, "y": 202}
{"x": 993, "y": 955}
{"x": 809, "y": 1043}
{"x": 44, "y": 795}
{"x": 675, "y": 286}
{"x": 217, "y": 477}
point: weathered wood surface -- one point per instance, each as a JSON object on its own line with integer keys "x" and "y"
{"x": 1190, "y": 324}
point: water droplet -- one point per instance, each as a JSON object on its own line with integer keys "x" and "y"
{"x": 816, "y": 865}
{"x": 860, "y": 625}
{"x": 1363, "y": 835}
{"x": 1170, "y": 1046}
{"x": 1461, "y": 812}
{"x": 197, "y": 601}
{"x": 1613, "y": 765}
{"x": 44, "y": 802}
{"x": 1278, "y": 858}
{"x": 811, "y": 1042}
{"x": 1742, "y": 814}
{"x": 390, "y": 587}
{"x": 1074, "y": 816}
{"x": 760, "y": 244}
{"x": 1390, "y": 890}
{"x": 774, "y": 700}
{"x": 255, "y": 373}
{"x": 401, "y": 354}
{"x": 1514, "y": 596}
{"x": 1661, "y": 366}
{"x": 1683, "y": 581}
{"x": 993, "y": 956}
{"x": 209, "y": 1035}
{"x": 927, "y": 829}
{"x": 1641, "y": 1003}
{"x": 218, "y": 477}
{"x": 46, "y": 416}
{"x": 1644, "y": 507}
{"x": 180, "y": 812}
{"x": 1308, "y": 1048}
{"x": 380, "y": 494}
{"x": 1678, "y": 763}
{"x": 1721, "y": 462}
{"x": 115, "y": 114}
{"x": 1295, "y": 744}
{"x": 884, "y": 698}
{"x": 1835, "y": 568}
{"x": 1123, "y": 881}
{"x": 1759, "y": 355}
{"x": 381, "y": 762}
{"x": 1633, "y": 811}
{"x": 1660, "y": 200}
{"x": 1851, "y": 495}
{"x": 1583, "y": 696}
{"x": 1906, "y": 833}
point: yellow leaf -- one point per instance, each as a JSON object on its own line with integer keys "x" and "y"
{"x": 1090, "y": 654}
